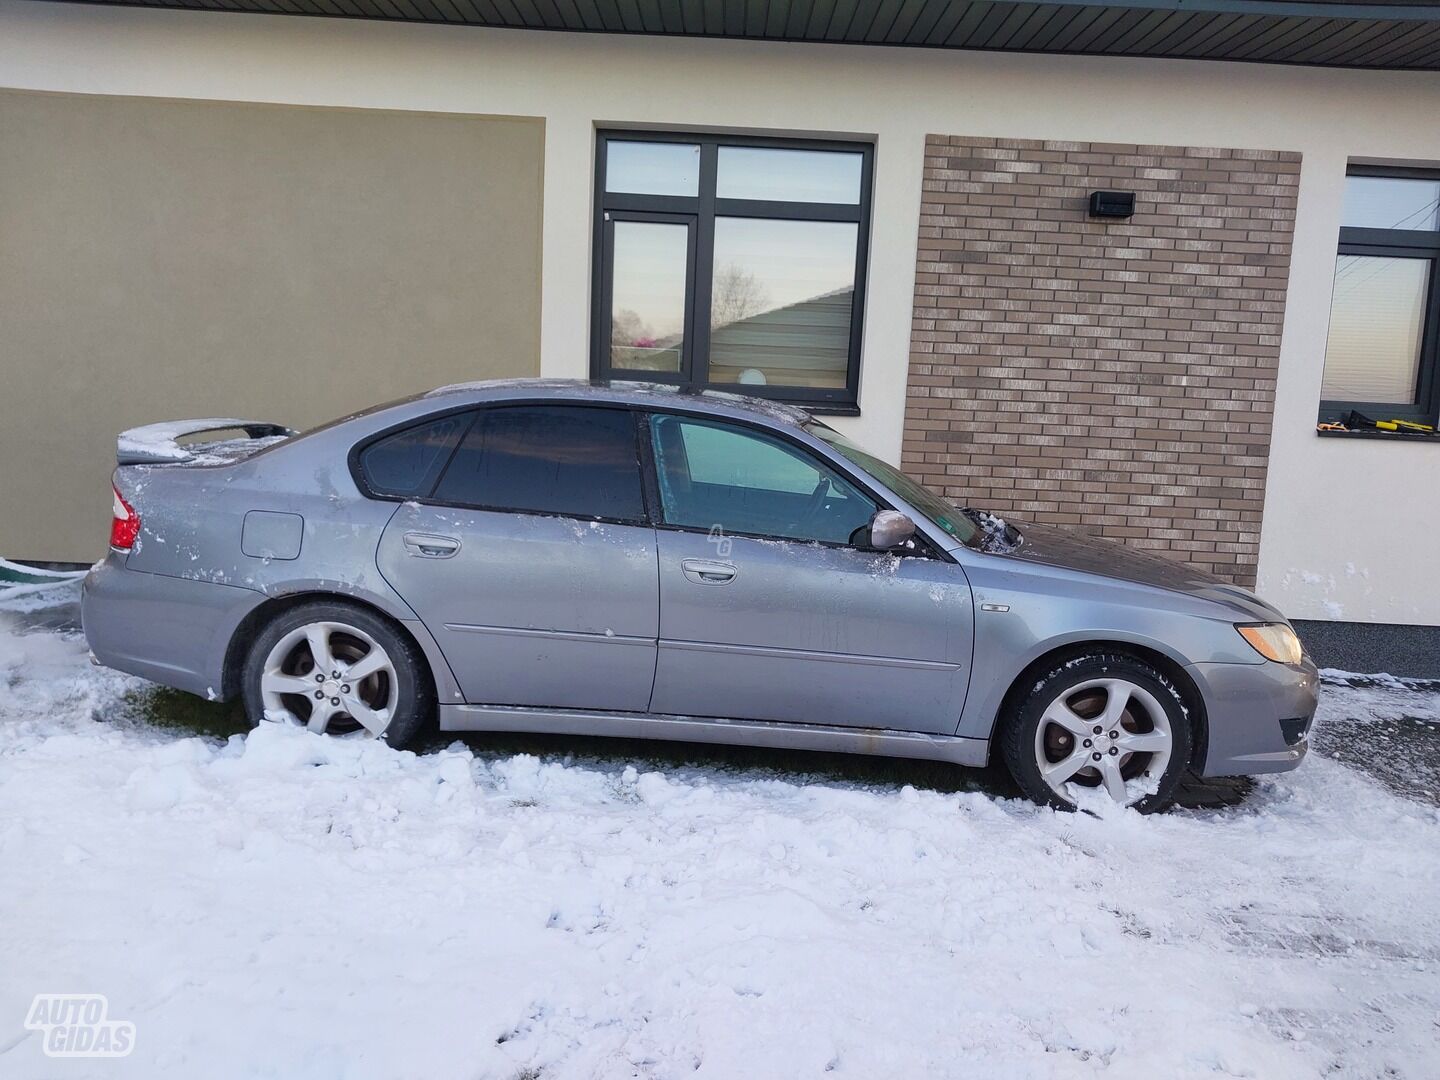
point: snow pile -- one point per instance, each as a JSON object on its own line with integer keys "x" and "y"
{"x": 291, "y": 906}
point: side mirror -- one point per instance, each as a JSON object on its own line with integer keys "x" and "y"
{"x": 889, "y": 529}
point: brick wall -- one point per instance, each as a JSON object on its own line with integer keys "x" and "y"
{"x": 1114, "y": 374}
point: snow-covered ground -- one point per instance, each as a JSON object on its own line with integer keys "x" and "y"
{"x": 285, "y": 905}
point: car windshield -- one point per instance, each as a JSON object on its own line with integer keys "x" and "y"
{"x": 959, "y": 522}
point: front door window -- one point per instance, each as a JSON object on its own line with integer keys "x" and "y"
{"x": 733, "y": 480}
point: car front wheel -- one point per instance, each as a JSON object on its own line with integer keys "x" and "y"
{"x": 1099, "y": 724}
{"x": 337, "y": 669}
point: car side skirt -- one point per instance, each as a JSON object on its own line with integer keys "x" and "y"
{"x": 843, "y": 740}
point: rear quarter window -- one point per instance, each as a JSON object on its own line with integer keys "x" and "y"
{"x": 407, "y": 464}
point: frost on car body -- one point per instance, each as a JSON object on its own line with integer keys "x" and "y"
{"x": 632, "y": 560}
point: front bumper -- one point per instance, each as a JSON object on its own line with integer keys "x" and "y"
{"x": 173, "y": 631}
{"x": 1258, "y": 715}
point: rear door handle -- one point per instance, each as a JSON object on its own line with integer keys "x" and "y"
{"x": 706, "y": 572}
{"x": 429, "y": 546}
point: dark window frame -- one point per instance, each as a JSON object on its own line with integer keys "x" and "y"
{"x": 478, "y": 411}
{"x": 362, "y": 477}
{"x": 821, "y": 465}
{"x": 847, "y": 470}
{"x": 700, "y": 212}
{"x": 649, "y": 478}
{"x": 1399, "y": 243}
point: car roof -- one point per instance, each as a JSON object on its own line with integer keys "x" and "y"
{"x": 618, "y": 391}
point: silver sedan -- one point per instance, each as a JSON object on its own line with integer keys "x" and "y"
{"x": 635, "y": 561}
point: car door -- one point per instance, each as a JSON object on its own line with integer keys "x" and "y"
{"x": 770, "y": 608}
{"x": 530, "y": 559}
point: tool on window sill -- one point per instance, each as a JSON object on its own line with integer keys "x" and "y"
{"x": 1357, "y": 421}
{"x": 1404, "y": 425}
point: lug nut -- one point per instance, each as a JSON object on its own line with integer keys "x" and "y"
{"x": 334, "y": 701}
{"x": 1087, "y": 742}
{"x": 1098, "y": 729}
{"x": 319, "y": 695}
{"x": 1095, "y": 756}
{"x": 335, "y": 674}
{"x": 1114, "y": 734}
{"x": 345, "y": 689}
{"x": 319, "y": 677}
{"x": 1113, "y": 751}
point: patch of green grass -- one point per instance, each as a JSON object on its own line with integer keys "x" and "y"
{"x": 186, "y": 714}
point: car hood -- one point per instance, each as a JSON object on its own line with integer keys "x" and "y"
{"x": 1088, "y": 554}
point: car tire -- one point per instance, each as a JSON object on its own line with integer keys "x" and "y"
{"x": 392, "y": 699}
{"x": 1102, "y": 720}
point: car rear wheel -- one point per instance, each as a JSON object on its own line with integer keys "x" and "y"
{"x": 337, "y": 669}
{"x": 1099, "y": 724}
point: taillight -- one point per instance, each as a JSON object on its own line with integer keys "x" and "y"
{"x": 125, "y": 525}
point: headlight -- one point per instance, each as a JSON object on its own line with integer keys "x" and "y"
{"x": 1274, "y": 641}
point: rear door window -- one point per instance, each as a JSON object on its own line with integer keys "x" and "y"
{"x": 407, "y": 463}
{"x": 568, "y": 460}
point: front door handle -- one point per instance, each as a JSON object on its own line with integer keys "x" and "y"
{"x": 429, "y": 546}
{"x": 707, "y": 572}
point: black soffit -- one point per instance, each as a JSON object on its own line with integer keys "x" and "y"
{"x": 1403, "y": 34}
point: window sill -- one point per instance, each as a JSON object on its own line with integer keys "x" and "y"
{"x": 1383, "y": 436}
{"x": 827, "y": 410}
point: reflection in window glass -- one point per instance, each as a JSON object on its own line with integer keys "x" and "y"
{"x": 720, "y": 455}
{"x": 652, "y": 168}
{"x": 1376, "y": 317}
{"x": 781, "y": 302}
{"x": 813, "y": 176}
{"x": 939, "y": 510}
{"x": 1390, "y": 202}
{"x": 745, "y": 482}
{"x": 407, "y": 464}
{"x": 647, "y": 315}
{"x": 548, "y": 459}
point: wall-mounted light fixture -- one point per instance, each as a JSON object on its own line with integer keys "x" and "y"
{"x": 1116, "y": 204}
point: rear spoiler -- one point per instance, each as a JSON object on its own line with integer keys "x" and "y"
{"x": 158, "y": 444}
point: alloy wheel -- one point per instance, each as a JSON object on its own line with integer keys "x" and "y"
{"x": 1103, "y": 733}
{"x": 330, "y": 677}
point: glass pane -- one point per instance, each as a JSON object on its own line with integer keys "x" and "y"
{"x": 648, "y": 282}
{"x": 724, "y": 456}
{"x": 816, "y": 176}
{"x": 652, "y": 168}
{"x": 939, "y": 510}
{"x": 740, "y": 481}
{"x": 407, "y": 463}
{"x": 548, "y": 459}
{"x": 1387, "y": 202}
{"x": 781, "y": 303}
{"x": 1376, "y": 316}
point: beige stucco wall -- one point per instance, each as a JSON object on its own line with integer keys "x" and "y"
{"x": 575, "y": 82}
{"x": 165, "y": 259}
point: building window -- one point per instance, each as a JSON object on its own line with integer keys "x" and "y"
{"x": 1384, "y": 345}
{"x": 732, "y": 263}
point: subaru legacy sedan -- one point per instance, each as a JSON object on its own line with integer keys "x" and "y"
{"x": 630, "y": 560}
